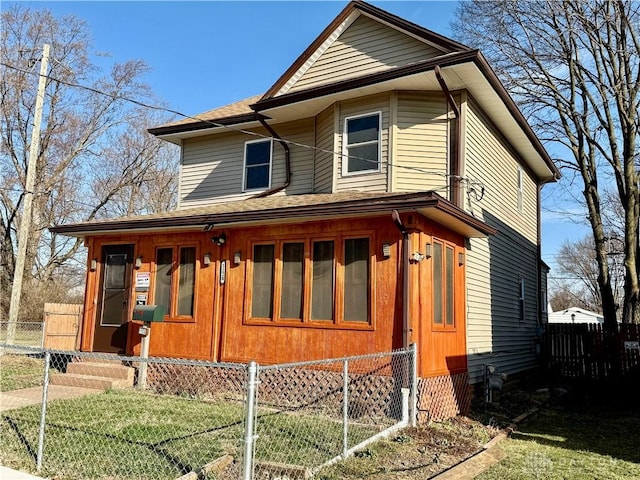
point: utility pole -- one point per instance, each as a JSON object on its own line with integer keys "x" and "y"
{"x": 25, "y": 224}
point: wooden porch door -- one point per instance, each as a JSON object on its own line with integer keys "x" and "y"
{"x": 112, "y": 319}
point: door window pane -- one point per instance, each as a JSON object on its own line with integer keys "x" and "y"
{"x": 437, "y": 284}
{"x": 186, "y": 281}
{"x": 292, "y": 275}
{"x": 162, "y": 294}
{"x": 261, "y": 303}
{"x": 114, "y": 276}
{"x": 356, "y": 280}
{"x": 322, "y": 281}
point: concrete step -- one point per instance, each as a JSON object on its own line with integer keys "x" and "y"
{"x": 89, "y": 381}
{"x": 99, "y": 369}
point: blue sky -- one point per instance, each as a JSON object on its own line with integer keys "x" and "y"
{"x": 207, "y": 54}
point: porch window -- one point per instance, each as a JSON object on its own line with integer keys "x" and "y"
{"x": 356, "y": 280}
{"x": 175, "y": 280}
{"x": 322, "y": 281}
{"x": 361, "y": 151}
{"x": 292, "y": 280}
{"x": 443, "y": 285}
{"x": 303, "y": 280}
{"x": 257, "y": 164}
{"x": 263, "y": 260}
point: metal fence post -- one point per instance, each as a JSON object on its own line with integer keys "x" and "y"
{"x": 43, "y": 410}
{"x": 252, "y": 370}
{"x": 414, "y": 384}
{"x": 345, "y": 407}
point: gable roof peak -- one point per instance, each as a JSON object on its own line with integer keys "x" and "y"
{"x": 347, "y": 17}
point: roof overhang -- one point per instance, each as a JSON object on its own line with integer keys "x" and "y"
{"x": 288, "y": 209}
{"x": 466, "y": 70}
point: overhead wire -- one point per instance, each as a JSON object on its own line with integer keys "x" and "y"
{"x": 471, "y": 182}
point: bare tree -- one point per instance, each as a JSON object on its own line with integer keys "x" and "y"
{"x": 574, "y": 67}
{"x": 95, "y": 154}
{"x": 577, "y": 270}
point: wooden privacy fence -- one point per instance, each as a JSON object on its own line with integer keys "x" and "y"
{"x": 62, "y": 326}
{"x": 586, "y": 351}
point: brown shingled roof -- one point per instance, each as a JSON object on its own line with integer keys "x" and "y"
{"x": 233, "y": 111}
{"x": 280, "y": 208}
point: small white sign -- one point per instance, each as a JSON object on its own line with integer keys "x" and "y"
{"x": 141, "y": 299}
{"x": 143, "y": 280}
{"x": 632, "y": 345}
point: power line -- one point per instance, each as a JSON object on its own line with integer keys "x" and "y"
{"x": 472, "y": 182}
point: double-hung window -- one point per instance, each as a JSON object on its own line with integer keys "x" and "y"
{"x": 361, "y": 144}
{"x": 444, "y": 271}
{"x": 257, "y": 164}
{"x": 311, "y": 281}
{"x": 175, "y": 280}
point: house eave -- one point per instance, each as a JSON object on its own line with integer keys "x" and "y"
{"x": 426, "y": 203}
{"x": 467, "y": 70}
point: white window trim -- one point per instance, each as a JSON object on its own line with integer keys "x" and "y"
{"x": 345, "y": 156}
{"x": 244, "y": 165}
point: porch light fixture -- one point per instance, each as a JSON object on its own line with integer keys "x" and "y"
{"x": 237, "y": 258}
{"x": 220, "y": 239}
{"x": 207, "y": 259}
{"x": 386, "y": 250}
{"x": 94, "y": 265}
{"x": 138, "y": 263}
{"x": 461, "y": 258}
{"x": 427, "y": 250}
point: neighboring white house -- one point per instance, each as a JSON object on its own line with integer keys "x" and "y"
{"x": 575, "y": 315}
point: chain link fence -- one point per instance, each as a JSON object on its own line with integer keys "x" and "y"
{"x": 78, "y": 415}
{"x": 25, "y": 334}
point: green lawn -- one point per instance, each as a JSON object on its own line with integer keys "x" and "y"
{"x": 122, "y": 435}
{"x": 20, "y": 371}
{"x": 573, "y": 443}
{"x": 126, "y": 434}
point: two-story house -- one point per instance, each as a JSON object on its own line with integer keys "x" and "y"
{"x": 383, "y": 191}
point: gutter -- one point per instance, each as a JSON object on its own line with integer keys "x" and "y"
{"x": 287, "y": 161}
{"x": 406, "y": 321}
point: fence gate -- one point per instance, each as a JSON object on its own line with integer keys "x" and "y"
{"x": 62, "y": 326}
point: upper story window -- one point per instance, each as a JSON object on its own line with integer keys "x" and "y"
{"x": 257, "y": 164}
{"x": 175, "y": 278}
{"x": 520, "y": 189}
{"x": 361, "y": 151}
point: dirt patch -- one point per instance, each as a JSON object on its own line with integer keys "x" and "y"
{"x": 425, "y": 451}
{"x": 415, "y": 453}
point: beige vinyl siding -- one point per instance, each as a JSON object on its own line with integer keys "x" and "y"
{"x": 365, "y": 47}
{"x": 365, "y": 182}
{"x": 325, "y": 128}
{"x": 495, "y": 265}
{"x": 421, "y": 161}
{"x": 212, "y": 166}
